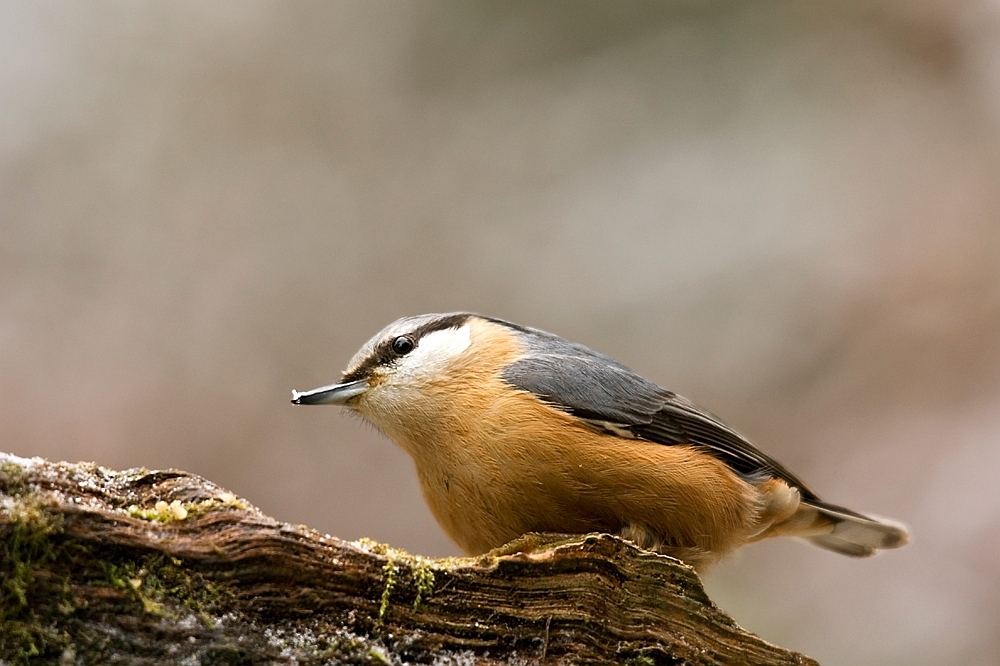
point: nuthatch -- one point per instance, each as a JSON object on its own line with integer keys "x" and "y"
{"x": 514, "y": 430}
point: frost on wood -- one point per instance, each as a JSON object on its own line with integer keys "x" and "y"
{"x": 141, "y": 567}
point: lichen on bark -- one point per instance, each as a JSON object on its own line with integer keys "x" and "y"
{"x": 151, "y": 567}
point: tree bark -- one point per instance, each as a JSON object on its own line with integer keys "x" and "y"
{"x": 164, "y": 567}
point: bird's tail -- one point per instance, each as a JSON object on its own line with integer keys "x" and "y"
{"x": 849, "y": 533}
{"x": 786, "y": 513}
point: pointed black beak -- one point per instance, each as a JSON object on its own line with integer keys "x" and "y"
{"x": 334, "y": 394}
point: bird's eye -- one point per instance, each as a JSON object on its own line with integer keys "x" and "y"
{"x": 403, "y": 345}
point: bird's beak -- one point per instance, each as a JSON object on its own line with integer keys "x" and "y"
{"x": 334, "y": 394}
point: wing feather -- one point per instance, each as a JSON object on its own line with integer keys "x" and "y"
{"x": 593, "y": 387}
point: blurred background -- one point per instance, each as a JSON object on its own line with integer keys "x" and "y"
{"x": 788, "y": 212}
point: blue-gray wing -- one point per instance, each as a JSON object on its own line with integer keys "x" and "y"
{"x": 608, "y": 395}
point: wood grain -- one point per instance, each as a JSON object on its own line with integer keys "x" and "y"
{"x": 158, "y": 567}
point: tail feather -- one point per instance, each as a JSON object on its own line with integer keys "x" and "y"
{"x": 854, "y": 534}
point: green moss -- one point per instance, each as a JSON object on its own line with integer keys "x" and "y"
{"x": 190, "y": 588}
{"x": 421, "y": 570}
{"x": 130, "y": 577}
{"x": 157, "y": 579}
{"x": 25, "y": 544}
{"x": 163, "y": 512}
{"x": 423, "y": 581}
{"x": 372, "y": 546}
{"x": 13, "y": 479}
{"x": 390, "y": 582}
{"x": 162, "y": 585}
{"x": 66, "y": 605}
{"x": 11, "y": 469}
{"x": 223, "y": 501}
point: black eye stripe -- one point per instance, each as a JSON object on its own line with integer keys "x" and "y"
{"x": 451, "y": 321}
{"x": 383, "y": 354}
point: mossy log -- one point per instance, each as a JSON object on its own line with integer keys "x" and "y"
{"x": 147, "y": 567}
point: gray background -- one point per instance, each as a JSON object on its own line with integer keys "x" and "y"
{"x": 788, "y": 212}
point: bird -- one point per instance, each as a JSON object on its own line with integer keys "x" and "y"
{"x": 515, "y": 431}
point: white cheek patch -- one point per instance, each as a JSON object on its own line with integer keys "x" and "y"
{"x": 434, "y": 352}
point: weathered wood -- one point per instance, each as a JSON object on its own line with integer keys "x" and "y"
{"x": 140, "y": 567}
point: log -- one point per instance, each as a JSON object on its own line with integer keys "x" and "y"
{"x": 164, "y": 567}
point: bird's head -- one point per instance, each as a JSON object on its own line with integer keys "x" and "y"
{"x": 392, "y": 376}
